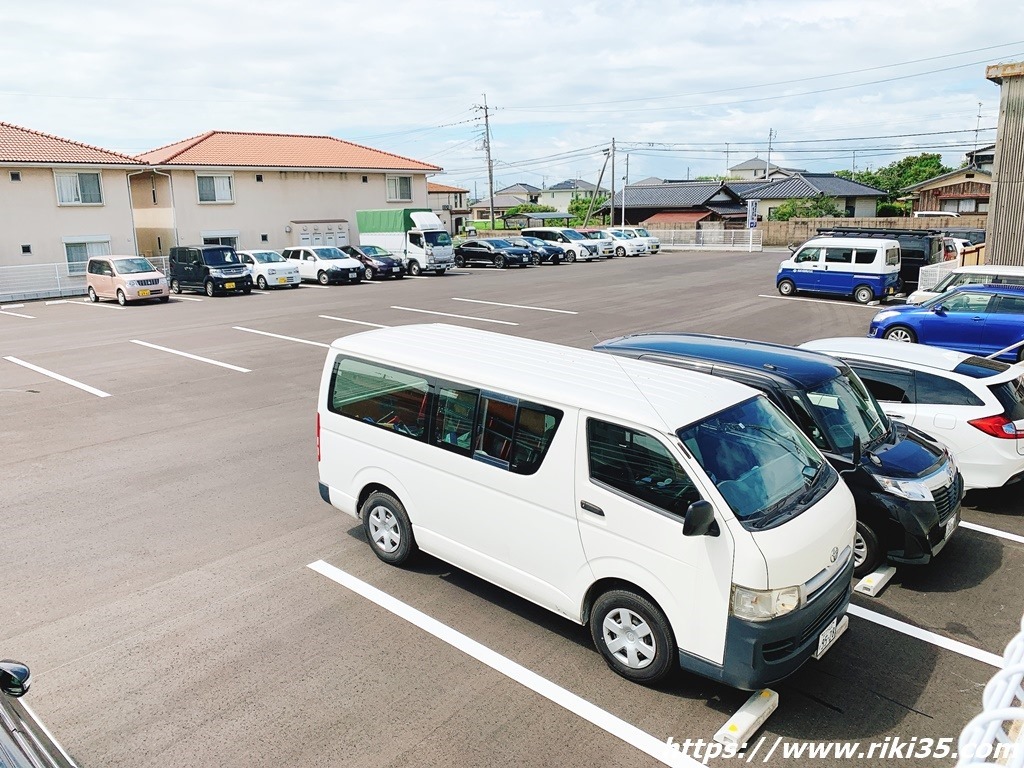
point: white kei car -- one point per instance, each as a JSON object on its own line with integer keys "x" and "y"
{"x": 269, "y": 269}
{"x": 975, "y": 406}
{"x": 626, "y": 243}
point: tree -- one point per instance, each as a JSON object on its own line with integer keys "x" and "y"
{"x": 579, "y": 206}
{"x": 806, "y": 208}
{"x": 899, "y": 174}
{"x": 529, "y": 208}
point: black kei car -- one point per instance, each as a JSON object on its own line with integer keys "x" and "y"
{"x": 542, "y": 251}
{"x": 24, "y": 740}
{"x": 376, "y": 261}
{"x": 492, "y": 250}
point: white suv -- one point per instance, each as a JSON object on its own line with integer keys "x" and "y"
{"x": 653, "y": 243}
{"x": 972, "y": 404}
{"x": 575, "y": 245}
{"x": 626, "y": 243}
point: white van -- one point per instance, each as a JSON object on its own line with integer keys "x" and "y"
{"x": 575, "y": 245}
{"x": 973, "y": 275}
{"x": 866, "y": 268}
{"x": 682, "y": 517}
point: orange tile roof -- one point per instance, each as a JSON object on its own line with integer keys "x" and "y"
{"x": 23, "y": 145}
{"x": 433, "y": 186}
{"x": 677, "y": 217}
{"x": 275, "y": 150}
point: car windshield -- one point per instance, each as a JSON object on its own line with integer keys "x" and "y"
{"x": 642, "y": 232}
{"x": 330, "y": 253}
{"x": 267, "y": 257}
{"x": 374, "y": 250}
{"x": 133, "y": 266}
{"x": 497, "y": 242}
{"x": 760, "y": 462}
{"x": 220, "y": 257}
{"x": 535, "y": 241}
{"x": 572, "y": 234}
{"x": 437, "y": 238}
{"x": 845, "y": 409}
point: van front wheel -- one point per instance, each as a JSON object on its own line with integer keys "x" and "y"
{"x": 862, "y": 294}
{"x": 387, "y": 528}
{"x": 634, "y": 636}
{"x": 787, "y": 287}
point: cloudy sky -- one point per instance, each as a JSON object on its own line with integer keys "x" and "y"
{"x": 678, "y": 85}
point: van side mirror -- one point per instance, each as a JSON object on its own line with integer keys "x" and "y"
{"x": 700, "y": 520}
{"x": 15, "y": 678}
{"x": 857, "y": 450}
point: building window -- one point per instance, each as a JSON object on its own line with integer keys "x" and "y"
{"x": 15, "y": 175}
{"x": 26, "y": 249}
{"x": 78, "y": 251}
{"x": 231, "y": 242}
{"x": 78, "y": 189}
{"x": 400, "y": 188}
{"x": 983, "y": 206}
{"x": 264, "y": 238}
{"x": 215, "y": 189}
{"x": 259, "y": 178}
{"x": 366, "y": 179}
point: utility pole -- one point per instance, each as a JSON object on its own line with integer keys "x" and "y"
{"x": 593, "y": 197}
{"x": 977, "y": 127}
{"x": 623, "y": 222}
{"x": 611, "y": 200}
{"x": 727, "y": 159}
{"x": 853, "y": 167}
{"x": 768, "y": 162}
{"x": 487, "y": 150}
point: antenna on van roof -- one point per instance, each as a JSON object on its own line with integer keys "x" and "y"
{"x": 635, "y": 385}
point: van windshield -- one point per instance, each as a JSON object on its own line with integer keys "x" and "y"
{"x": 844, "y": 409}
{"x": 220, "y": 257}
{"x": 763, "y": 466}
{"x": 572, "y": 234}
{"x": 133, "y": 266}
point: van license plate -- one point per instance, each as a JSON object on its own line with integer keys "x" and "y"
{"x": 144, "y": 292}
{"x": 229, "y": 286}
{"x": 826, "y": 638}
{"x": 282, "y": 279}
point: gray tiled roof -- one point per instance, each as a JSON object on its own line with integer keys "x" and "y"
{"x": 685, "y": 195}
{"x": 501, "y": 201}
{"x": 811, "y": 185}
{"x": 519, "y": 189}
{"x": 573, "y": 184}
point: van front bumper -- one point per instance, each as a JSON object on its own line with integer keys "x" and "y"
{"x": 927, "y": 525}
{"x": 761, "y": 653}
{"x": 235, "y": 283}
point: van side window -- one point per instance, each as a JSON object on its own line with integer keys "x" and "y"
{"x": 807, "y": 254}
{"x": 455, "y": 416}
{"x": 864, "y": 256}
{"x": 393, "y": 400}
{"x": 892, "y": 257}
{"x": 638, "y": 465}
{"x": 839, "y": 255}
{"x": 535, "y": 428}
{"x": 887, "y": 385}
{"x": 495, "y": 429}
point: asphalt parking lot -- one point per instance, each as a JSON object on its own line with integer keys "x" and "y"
{"x": 159, "y": 526}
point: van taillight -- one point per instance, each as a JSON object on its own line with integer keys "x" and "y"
{"x": 997, "y": 426}
{"x": 318, "y": 435}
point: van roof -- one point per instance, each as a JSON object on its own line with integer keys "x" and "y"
{"x": 799, "y": 366}
{"x": 863, "y": 242}
{"x": 552, "y": 373}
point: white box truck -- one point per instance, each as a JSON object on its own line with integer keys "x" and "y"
{"x": 415, "y": 235}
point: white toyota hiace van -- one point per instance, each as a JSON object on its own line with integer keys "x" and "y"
{"x": 683, "y": 518}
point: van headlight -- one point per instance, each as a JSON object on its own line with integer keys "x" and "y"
{"x": 763, "y": 605}
{"x": 217, "y": 273}
{"x": 905, "y": 489}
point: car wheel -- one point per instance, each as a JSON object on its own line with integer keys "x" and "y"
{"x": 93, "y": 297}
{"x": 536, "y": 259}
{"x": 247, "y": 290}
{"x": 570, "y": 256}
{"x": 439, "y": 272}
{"x": 620, "y": 251}
{"x": 1020, "y": 354}
{"x": 399, "y": 276}
{"x": 323, "y": 278}
{"x": 261, "y": 283}
{"x": 460, "y": 260}
{"x": 295, "y": 285}
{"x": 387, "y": 528}
{"x": 555, "y": 260}
{"x": 867, "y": 552}
{"x": 787, "y": 287}
{"x": 211, "y": 289}
{"x": 164, "y": 299}
{"x": 175, "y": 286}
{"x": 862, "y": 294}
{"x": 633, "y": 635}
{"x": 499, "y": 261}
{"x": 121, "y": 298}
{"x": 414, "y": 268}
{"x": 900, "y": 333}
{"x": 368, "y": 273}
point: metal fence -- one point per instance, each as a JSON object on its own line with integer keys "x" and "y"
{"x": 710, "y": 239}
{"x": 40, "y": 281}
{"x": 931, "y": 274}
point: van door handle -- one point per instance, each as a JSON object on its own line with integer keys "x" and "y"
{"x": 896, "y": 416}
{"x": 592, "y": 508}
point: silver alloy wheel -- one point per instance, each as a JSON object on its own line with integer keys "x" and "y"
{"x": 620, "y": 251}
{"x": 211, "y": 289}
{"x": 860, "y": 550}
{"x": 899, "y": 334}
{"x": 629, "y": 638}
{"x": 121, "y": 299}
{"x": 92, "y": 295}
{"x": 368, "y": 273}
{"x": 384, "y": 529}
{"x": 570, "y": 256}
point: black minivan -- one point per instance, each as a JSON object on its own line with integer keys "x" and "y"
{"x": 906, "y": 486}
{"x": 213, "y": 269}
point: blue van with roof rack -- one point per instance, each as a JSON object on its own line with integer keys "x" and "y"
{"x": 906, "y": 486}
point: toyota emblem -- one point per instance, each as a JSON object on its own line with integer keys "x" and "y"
{"x": 834, "y": 554}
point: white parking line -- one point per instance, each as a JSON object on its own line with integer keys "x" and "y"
{"x": 87, "y": 303}
{"x": 58, "y": 377}
{"x": 517, "y": 306}
{"x": 641, "y": 740}
{"x": 59, "y": 301}
{"x": 357, "y": 322}
{"x": 17, "y": 314}
{"x": 11, "y": 306}
{"x": 279, "y": 336}
{"x": 992, "y": 531}
{"x": 190, "y": 356}
{"x": 416, "y": 277}
{"x": 461, "y": 317}
{"x": 187, "y": 298}
{"x": 929, "y": 637}
{"x": 819, "y": 301}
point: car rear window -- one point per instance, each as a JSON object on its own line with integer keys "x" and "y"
{"x": 1011, "y": 396}
{"x": 980, "y": 367}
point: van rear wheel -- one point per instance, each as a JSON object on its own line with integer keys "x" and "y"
{"x": 863, "y": 294}
{"x": 867, "y": 552}
{"x": 387, "y": 528}
{"x": 634, "y": 636}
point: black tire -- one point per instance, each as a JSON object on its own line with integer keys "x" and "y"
{"x": 499, "y": 261}
{"x": 555, "y": 260}
{"x": 93, "y": 296}
{"x": 620, "y": 251}
{"x": 323, "y": 278}
{"x": 570, "y": 256}
{"x": 296, "y": 285}
{"x": 164, "y": 299}
{"x": 535, "y": 260}
{"x": 211, "y": 289}
{"x": 439, "y": 272}
{"x": 414, "y": 268}
{"x": 460, "y": 260}
{"x": 121, "y": 298}
{"x": 900, "y": 333}
{"x": 261, "y": 283}
{"x": 247, "y": 290}
{"x": 867, "y": 552}
{"x": 387, "y": 528}
{"x": 368, "y": 273}
{"x": 651, "y": 655}
{"x": 863, "y": 294}
{"x": 787, "y": 287}
{"x": 175, "y": 286}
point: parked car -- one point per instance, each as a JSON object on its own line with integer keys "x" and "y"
{"x": 980, "y": 319}
{"x": 936, "y": 215}
{"x": 954, "y": 247}
{"x": 269, "y": 269}
{"x": 492, "y": 250}
{"x": 24, "y": 741}
{"x": 576, "y": 246}
{"x": 626, "y": 243}
{"x": 212, "y": 269}
{"x": 867, "y": 269}
{"x": 376, "y": 260}
{"x": 972, "y": 405}
{"x": 972, "y": 234}
{"x": 325, "y": 264}
{"x": 541, "y": 251}
{"x": 653, "y": 243}
{"x": 906, "y": 485}
{"x": 125, "y": 278}
{"x": 605, "y": 244}
{"x": 997, "y": 274}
